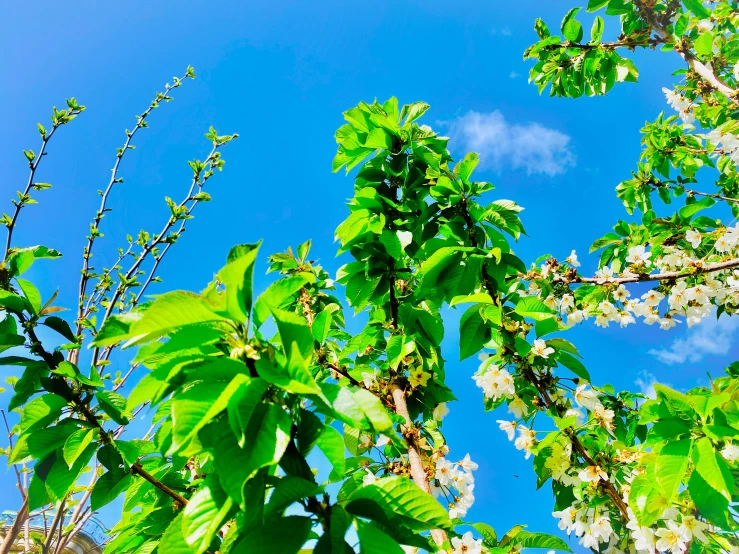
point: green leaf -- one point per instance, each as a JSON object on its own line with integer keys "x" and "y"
{"x": 116, "y": 328}
{"x": 703, "y": 46}
{"x": 332, "y": 445}
{"x": 114, "y": 405}
{"x": 400, "y": 499}
{"x": 573, "y": 364}
{"x": 199, "y": 405}
{"x": 284, "y": 536}
{"x": 31, "y": 294}
{"x": 712, "y": 468}
{"x": 321, "y": 326}
{"x": 671, "y": 465}
{"x": 544, "y": 327}
{"x": 41, "y": 411}
{"x": 530, "y": 306}
{"x": 11, "y": 301}
{"x": 62, "y": 477}
{"x": 689, "y": 210}
{"x": 571, "y": 28}
{"x": 29, "y": 383}
{"x": 38, "y": 444}
{"x": 472, "y": 332}
{"x": 487, "y": 533}
{"x": 75, "y": 445}
{"x": 170, "y": 312}
{"x": 109, "y": 487}
{"x": 596, "y": 32}
{"x": 696, "y": 6}
{"x": 61, "y": 327}
{"x": 647, "y": 499}
{"x": 297, "y": 341}
{"x": 280, "y": 295}
{"x": 378, "y": 138}
{"x": 204, "y": 515}
{"x": 241, "y": 405}
{"x": 677, "y": 403}
{"x": 398, "y": 347}
{"x": 267, "y": 438}
{"x": 21, "y": 259}
{"x": 524, "y": 539}
{"x": 287, "y": 491}
{"x": 594, "y": 5}
{"x": 711, "y": 504}
{"x": 237, "y": 276}
{"x": 374, "y": 541}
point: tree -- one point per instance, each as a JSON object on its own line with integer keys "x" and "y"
{"x": 247, "y": 387}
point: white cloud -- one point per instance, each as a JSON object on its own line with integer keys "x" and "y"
{"x": 513, "y": 75}
{"x": 501, "y": 144}
{"x": 646, "y": 382}
{"x": 710, "y": 337}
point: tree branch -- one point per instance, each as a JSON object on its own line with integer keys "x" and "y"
{"x": 12, "y": 534}
{"x": 136, "y": 469}
{"x": 410, "y": 433}
{"x": 87, "y": 253}
{"x": 709, "y": 268}
{"x": 693, "y": 62}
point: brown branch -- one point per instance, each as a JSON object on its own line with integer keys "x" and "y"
{"x": 410, "y": 434}
{"x": 85, "y": 410}
{"x": 647, "y": 42}
{"x": 710, "y": 268}
{"x": 12, "y": 534}
{"x": 649, "y": 16}
{"x": 691, "y": 192}
{"x": 15, "y": 467}
{"x": 87, "y": 253}
{"x": 607, "y": 486}
{"x": 58, "y": 520}
{"x": 136, "y": 469}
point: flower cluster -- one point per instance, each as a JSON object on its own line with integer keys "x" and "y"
{"x": 673, "y": 536}
{"x": 455, "y": 482}
{"x": 728, "y": 142}
{"x": 592, "y": 525}
{"x": 681, "y": 105}
{"x": 690, "y": 298}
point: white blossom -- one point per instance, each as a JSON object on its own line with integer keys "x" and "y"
{"x": 730, "y": 452}
{"x": 440, "y": 411}
{"x": 540, "y": 348}
{"x": 572, "y": 258}
{"x": 638, "y": 255}
{"x": 509, "y": 427}
{"x": 693, "y": 237}
{"x": 467, "y": 544}
{"x": 672, "y": 538}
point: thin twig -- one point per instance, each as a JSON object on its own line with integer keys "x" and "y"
{"x": 87, "y": 253}
{"x": 15, "y": 467}
{"x": 709, "y": 268}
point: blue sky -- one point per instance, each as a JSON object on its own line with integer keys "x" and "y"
{"x": 280, "y": 74}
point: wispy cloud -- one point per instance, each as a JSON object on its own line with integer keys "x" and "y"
{"x": 646, "y": 382}
{"x": 505, "y": 145}
{"x": 513, "y": 75}
{"x": 710, "y": 337}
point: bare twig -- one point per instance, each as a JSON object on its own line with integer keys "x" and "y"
{"x": 87, "y": 253}
{"x": 21, "y": 488}
{"x": 23, "y": 200}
